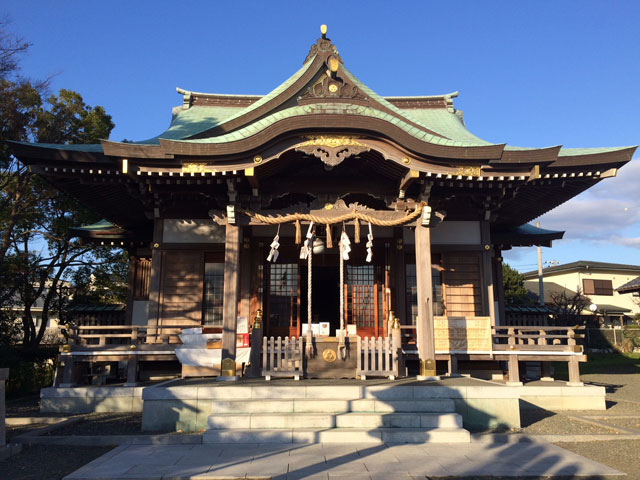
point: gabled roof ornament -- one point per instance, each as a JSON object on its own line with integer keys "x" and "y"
{"x": 323, "y": 46}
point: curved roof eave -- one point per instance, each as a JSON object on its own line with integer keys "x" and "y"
{"x": 337, "y": 115}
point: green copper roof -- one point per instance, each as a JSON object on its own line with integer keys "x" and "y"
{"x": 96, "y": 227}
{"x": 80, "y": 147}
{"x": 194, "y": 120}
{"x": 570, "y": 152}
{"x": 327, "y": 108}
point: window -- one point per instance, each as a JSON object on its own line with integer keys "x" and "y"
{"x": 283, "y": 295}
{"x": 213, "y": 293}
{"x": 597, "y": 287}
{"x": 361, "y": 295}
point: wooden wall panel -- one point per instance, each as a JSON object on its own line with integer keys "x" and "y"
{"x": 181, "y": 288}
{"x": 462, "y": 284}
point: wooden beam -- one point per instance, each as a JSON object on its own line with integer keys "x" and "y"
{"x": 426, "y": 339}
{"x": 407, "y": 180}
{"x": 233, "y": 236}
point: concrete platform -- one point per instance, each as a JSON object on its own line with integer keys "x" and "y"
{"x": 328, "y": 461}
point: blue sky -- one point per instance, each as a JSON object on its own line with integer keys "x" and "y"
{"x": 529, "y": 74}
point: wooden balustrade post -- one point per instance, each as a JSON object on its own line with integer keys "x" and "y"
{"x": 453, "y": 366}
{"x": 396, "y": 345}
{"x": 574, "y": 373}
{"x": 514, "y": 371}
{"x": 256, "y": 344}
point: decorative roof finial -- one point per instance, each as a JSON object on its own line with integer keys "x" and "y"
{"x": 323, "y": 30}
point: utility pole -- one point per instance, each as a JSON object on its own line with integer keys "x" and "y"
{"x": 540, "y": 282}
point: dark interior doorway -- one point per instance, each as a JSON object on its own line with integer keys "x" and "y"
{"x": 325, "y": 296}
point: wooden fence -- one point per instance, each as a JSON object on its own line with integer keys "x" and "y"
{"x": 282, "y": 357}
{"x": 377, "y": 357}
{"x": 105, "y": 335}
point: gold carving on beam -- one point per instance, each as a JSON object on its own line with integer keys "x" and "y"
{"x": 257, "y": 159}
{"x": 332, "y": 142}
{"x": 332, "y": 150}
{"x": 406, "y": 160}
{"x": 468, "y": 171}
{"x": 194, "y": 167}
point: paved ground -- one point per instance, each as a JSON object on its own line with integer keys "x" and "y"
{"x": 326, "y": 461}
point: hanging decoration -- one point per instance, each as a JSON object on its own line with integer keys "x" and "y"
{"x": 345, "y": 248}
{"x": 274, "y": 253}
{"x": 369, "y": 244}
{"x": 309, "y": 350}
{"x": 307, "y": 247}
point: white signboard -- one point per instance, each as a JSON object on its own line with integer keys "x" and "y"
{"x": 242, "y": 325}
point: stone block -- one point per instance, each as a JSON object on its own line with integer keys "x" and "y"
{"x": 247, "y": 436}
{"x": 169, "y": 415}
{"x": 225, "y": 392}
{"x": 389, "y": 392}
{"x": 489, "y": 412}
{"x": 65, "y": 405}
{"x": 426, "y": 392}
{"x": 271, "y": 392}
{"x": 434, "y": 435}
{"x": 103, "y": 392}
{"x": 116, "y": 404}
{"x": 339, "y": 392}
{"x": 229, "y": 421}
{"x": 170, "y": 393}
{"x": 321, "y": 406}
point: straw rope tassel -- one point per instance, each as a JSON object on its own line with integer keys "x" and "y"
{"x": 342, "y": 348}
{"x": 309, "y": 351}
{"x": 356, "y": 235}
{"x": 329, "y": 239}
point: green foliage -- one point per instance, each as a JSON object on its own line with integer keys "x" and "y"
{"x": 37, "y": 254}
{"x": 514, "y": 291}
{"x": 29, "y": 369}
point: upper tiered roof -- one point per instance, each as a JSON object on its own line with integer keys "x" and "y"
{"x": 251, "y": 137}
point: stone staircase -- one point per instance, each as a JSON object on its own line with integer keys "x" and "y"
{"x": 394, "y": 416}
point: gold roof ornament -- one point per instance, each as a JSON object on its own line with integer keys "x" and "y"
{"x": 323, "y": 30}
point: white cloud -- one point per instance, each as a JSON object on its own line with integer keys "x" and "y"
{"x": 606, "y": 212}
{"x": 627, "y": 241}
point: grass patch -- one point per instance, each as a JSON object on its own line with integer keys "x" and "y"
{"x": 607, "y": 363}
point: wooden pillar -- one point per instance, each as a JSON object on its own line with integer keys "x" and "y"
{"x": 154, "y": 281}
{"x": 233, "y": 237}
{"x": 426, "y": 340}
{"x": 4, "y": 375}
{"x": 132, "y": 279}
{"x": 399, "y": 301}
{"x": 246, "y": 270}
{"x": 499, "y": 288}
{"x": 487, "y": 271}
{"x": 132, "y": 371}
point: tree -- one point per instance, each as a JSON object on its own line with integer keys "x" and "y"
{"x": 515, "y": 292}
{"x": 569, "y": 306}
{"x": 36, "y": 250}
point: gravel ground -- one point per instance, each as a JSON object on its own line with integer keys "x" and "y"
{"x": 48, "y": 462}
{"x": 103, "y": 424}
{"x": 15, "y": 430}
{"x": 619, "y": 454}
{"x": 28, "y": 406}
{"x": 543, "y": 422}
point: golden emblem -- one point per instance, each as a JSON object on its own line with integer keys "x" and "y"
{"x": 406, "y": 160}
{"x": 329, "y": 355}
{"x": 194, "y": 167}
{"x": 325, "y": 141}
{"x": 333, "y": 88}
{"x": 257, "y": 159}
{"x": 468, "y": 171}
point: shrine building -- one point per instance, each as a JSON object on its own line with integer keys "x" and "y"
{"x": 324, "y": 213}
